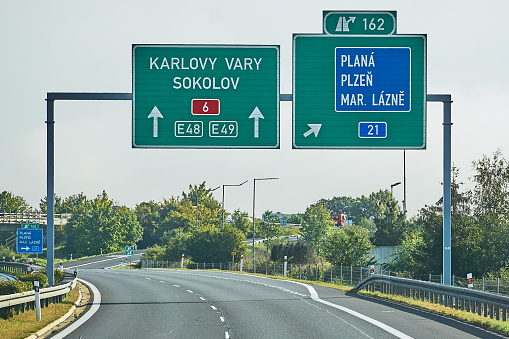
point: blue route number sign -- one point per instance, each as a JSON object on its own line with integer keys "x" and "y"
{"x": 29, "y": 241}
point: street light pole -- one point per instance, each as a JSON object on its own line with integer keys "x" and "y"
{"x": 395, "y": 184}
{"x": 222, "y": 205}
{"x": 254, "y": 198}
{"x": 197, "y": 201}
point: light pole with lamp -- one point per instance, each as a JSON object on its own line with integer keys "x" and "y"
{"x": 254, "y": 196}
{"x": 395, "y": 184}
{"x": 197, "y": 201}
{"x": 222, "y": 205}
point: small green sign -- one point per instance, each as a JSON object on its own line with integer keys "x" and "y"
{"x": 359, "y": 22}
{"x": 30, "y": 226}
{"x": 129, "y": 250}
{"x": 205, "y": 96}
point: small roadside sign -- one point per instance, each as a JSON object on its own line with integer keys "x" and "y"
{"x": 30, "y": 226}
{"x": 129, "y": 250}
{"x": 234, "y": 253}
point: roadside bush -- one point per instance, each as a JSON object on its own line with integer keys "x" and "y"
{"x": 11, "y": 287}
{"x": 58, "y": 275}
{"x": 40, "y": 277}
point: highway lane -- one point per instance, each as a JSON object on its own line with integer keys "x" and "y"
{"x": 155, "y": 303}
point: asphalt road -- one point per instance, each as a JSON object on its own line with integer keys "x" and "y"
{"x": 157, "y": 303}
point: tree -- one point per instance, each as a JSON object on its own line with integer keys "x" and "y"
{"x": 10, "y": 203}
{"x": 216, "y": 245}
{"x": 368, "y": 225}
{"x": 355, "y": 209}
{"x": 349, "y": 246}
{"x": 316, "y": 225}
{"x": 297, "y": 252}
{"x": 98, "y": 224}
{"x": 147, "y": 214}
{"x": 270, "y": 228}
{"x": 240, "y": 221}
{"x": 389, "y": 219}
{"x": 209, "y": 209}
{"x": 490, "y": 199}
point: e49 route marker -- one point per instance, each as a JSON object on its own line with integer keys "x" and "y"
{"x": 205, "y": 96}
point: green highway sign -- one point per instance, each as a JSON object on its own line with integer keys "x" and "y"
{"x": 359, "y": 22}
{"x": 359, "y": 92}
{"x": 205, "y": 96}
{"x": 30, "y": 226}
{"x": 129, "y": 250}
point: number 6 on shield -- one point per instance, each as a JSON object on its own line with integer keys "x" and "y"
{"x": 205, "y": 106}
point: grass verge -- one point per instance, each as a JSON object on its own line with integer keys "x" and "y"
{"x": 488, "y": 323}
{"x": 24, "y": 324}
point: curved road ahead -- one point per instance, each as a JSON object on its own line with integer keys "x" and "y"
{"x": 157, "y": 303}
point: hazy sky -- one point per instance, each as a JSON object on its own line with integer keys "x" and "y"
{"x": 69, "y": 46}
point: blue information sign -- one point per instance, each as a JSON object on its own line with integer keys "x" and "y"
{"x": 373, "y": 79}
{"x": 29, "y": 241}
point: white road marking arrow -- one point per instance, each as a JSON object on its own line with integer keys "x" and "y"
{"x": 314, "y": 128}
{"x": 256, "y": 115}
{"x": 155, "y": 114}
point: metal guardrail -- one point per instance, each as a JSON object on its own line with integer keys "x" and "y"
{"x": 19, "y": 302}
{"x": 483, "y": 303}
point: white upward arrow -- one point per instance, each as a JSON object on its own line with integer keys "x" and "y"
{"x": 256, "y": 115}
{"x": 314, "y": 128}
{"x": 155, "y": 114}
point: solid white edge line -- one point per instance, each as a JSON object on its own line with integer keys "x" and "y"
{"x": 95, "y": 306}
{"x": 387, "y": 328}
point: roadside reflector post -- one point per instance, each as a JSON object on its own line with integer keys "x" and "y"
{"x": 37, "y": 301}
{"x": 372, "y": 269}
{"x": 182, "y": 262}
{"x": 241, "y": 261}
{"x": 75, "y": 272}
{"x": 469, "y": 280}
{"x": 285, "y": 266}
{"x": 61, "y": 266}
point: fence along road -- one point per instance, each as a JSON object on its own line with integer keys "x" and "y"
{"x": 205, "y": 304}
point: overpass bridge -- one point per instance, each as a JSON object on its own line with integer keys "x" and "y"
{"x": 9, "y": 222}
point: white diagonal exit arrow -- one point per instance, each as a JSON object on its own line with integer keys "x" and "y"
{"x": 155, "y": 114}
{"x": 314, "y": 128}
{"x": 256, "y": 115}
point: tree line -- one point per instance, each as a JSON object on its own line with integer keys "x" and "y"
{"x": 168, "y": 228}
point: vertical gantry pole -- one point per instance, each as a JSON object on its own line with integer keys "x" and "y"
{"x": 254, "y": 197}
{"x": 447, "y": 193}
{"x": 50, "y": 192}
{"x": 446, "y": 267}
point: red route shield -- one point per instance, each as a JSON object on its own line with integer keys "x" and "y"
{"x": 205, "y": 106}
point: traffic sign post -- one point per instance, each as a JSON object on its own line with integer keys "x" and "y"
{"x": 359, "y": 92}
{"x": 205, "y": 96}
{"x": 29, "y": 241}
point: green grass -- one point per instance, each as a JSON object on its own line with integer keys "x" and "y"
{"x": 475, "y": 319}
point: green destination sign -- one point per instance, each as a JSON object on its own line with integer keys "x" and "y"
{"x": 30, "y": 226}
{"x": 359, "y": 92}
{"x": 359, "y": 22}
{"x": 205, "y": 96}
